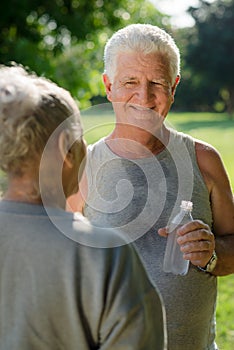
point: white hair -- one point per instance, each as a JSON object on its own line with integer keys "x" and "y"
{"x": 31, "y": 109}
{"x": 144, "y": 38}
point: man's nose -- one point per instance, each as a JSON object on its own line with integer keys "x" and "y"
{"x": 145, "y": 95}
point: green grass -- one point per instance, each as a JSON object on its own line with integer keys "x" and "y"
{"x": 217, "y": 130}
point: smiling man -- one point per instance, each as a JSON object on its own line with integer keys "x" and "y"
{"x": 137, "y": 176}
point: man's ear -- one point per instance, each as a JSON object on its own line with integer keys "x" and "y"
{"x": 108, "y": 86}
{"x": 64, "y": 145}
{"x": 173, "y": 88}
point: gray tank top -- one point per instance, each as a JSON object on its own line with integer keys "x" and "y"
{"x": 138, "y": 197}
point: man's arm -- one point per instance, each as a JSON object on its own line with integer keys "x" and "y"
{"x": 196, "y": 239}
{"x": 222, "y": 205}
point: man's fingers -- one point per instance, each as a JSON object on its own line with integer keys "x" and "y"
{"x": 163, "y": 232}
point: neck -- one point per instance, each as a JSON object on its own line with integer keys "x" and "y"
{"x": 27, "y": 190}
{"x": 22, "y": 194}
{"x": 137, "y": 143}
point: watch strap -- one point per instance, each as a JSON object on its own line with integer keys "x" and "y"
{"x": 210, "y": 266}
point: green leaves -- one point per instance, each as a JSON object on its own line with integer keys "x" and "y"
{"x": 64, "y": 39}
{"x": 210, "y": 52}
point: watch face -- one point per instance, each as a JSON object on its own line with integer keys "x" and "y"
{"x": 212, "y": 263}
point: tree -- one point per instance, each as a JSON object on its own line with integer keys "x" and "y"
{"x": 194, "y": 92}
{"x": 64, "y": 39}
{"x": 211, "y": 48}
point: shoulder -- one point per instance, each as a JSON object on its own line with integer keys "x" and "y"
{"x": 97, "y": 237}
{"x": 208, "y": 157}
{"x": 111, "y": 248}
{"x": 182, "y": 142}
{"x": 96, "y": 153}
{"x": 78, "y": 228}
{"x": 210, "y": 164}
{"x": 96, "y": 147}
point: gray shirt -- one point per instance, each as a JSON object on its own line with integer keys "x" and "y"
{"x": 61, "y": 290}
{"x": 139, "y": 196}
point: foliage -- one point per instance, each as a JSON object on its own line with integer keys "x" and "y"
{"x": 64, "y": 39}
{"x": 194, "y": 93}
{"x": 210, "y": 51}
{"x": 80, "y": 67}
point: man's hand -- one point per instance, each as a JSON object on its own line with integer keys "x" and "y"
{"x": 196, "y": 241}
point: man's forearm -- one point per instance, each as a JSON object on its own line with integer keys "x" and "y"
{"x": 224, "y": 247}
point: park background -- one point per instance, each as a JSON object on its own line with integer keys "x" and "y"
{"x": 64, "y": 39}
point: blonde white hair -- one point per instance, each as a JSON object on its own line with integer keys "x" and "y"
{"x": 144, "y": 38}
{"x": 31, "y": 108}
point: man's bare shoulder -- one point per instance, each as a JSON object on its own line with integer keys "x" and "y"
{"x": 210, "y": 164}
{"x": 208, "y": 156}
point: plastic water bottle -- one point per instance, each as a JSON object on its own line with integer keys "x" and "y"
{"x": 173, "y": 258}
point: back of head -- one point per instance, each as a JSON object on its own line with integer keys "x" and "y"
{"x": 31, "y": 108}
{"x": 144, "y": 38}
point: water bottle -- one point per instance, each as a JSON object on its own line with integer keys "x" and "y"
{"x": 173, "y": 258}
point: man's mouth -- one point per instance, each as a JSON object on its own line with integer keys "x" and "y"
{"x": 143, "y": 113}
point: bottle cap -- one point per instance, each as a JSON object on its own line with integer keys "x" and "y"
{"x": 186, "y": 205}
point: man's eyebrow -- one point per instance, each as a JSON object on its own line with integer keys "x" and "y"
{"x": 160, "y": 80}
{"x": 129, "y": 78}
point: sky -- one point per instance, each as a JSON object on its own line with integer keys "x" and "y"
{"x": 177, "y": 9}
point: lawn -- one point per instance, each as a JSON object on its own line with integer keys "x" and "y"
{"x": 217, "y": 130}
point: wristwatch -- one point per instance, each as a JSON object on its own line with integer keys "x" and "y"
{"x": 210, "y": 266}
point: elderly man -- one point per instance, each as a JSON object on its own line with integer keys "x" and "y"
{"x": 137, "y": 176}
{"x": 64, "y": 284}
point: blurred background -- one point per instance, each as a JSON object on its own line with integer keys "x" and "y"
{"x": 64, "y": 40}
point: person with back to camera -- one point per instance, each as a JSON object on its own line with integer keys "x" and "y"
{"x": 137, "y": 176}
{"x": 64, "y": 283}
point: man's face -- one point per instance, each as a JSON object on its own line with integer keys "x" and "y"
{"x": 142, "y": 91}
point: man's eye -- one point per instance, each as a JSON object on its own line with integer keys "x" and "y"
{"x": 160, "y": 86}
{"x": 130, "y": 82}
{"x": 157, "y": 83}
